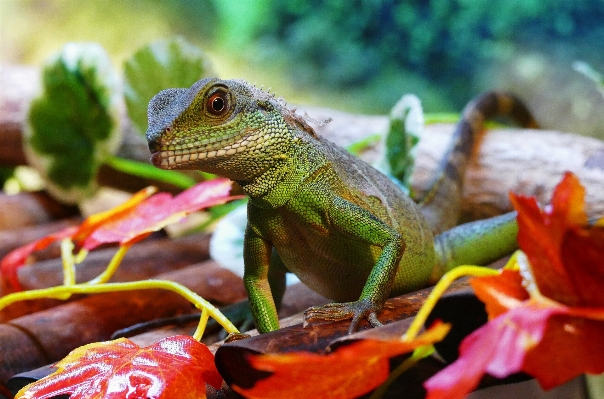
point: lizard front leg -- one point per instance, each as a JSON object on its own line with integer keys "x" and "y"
{"x": 261, "y": 282}
{"x": 359, "y": 224}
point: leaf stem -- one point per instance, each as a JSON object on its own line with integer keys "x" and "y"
{"x": 69, "y": 277}
{"x": 149, "y": 171}
{"x": 112, "y": 267}
{"x": 201, "y": 327}
{"x": 63, "y": 290}
{"x": 438, "y": 291}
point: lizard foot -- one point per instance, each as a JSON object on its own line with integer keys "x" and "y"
{"x": 356, "y": 311}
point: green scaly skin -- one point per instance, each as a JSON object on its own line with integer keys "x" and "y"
{"x": 341, "y": 226}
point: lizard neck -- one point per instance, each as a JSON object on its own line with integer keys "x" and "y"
{"x": 278, "y": 184}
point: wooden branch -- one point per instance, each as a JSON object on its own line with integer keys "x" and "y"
{"x": 524, "y": 161}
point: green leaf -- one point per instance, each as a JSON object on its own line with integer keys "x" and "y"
{"x": 160, "y": 65}
{"x": 406, "y": 124}
{"x": 149, "y": 171}
{"x": 361, "y": 145}
{"x": 74, "y": 124}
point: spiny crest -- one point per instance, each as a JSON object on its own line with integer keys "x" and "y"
{"x": 289, "y": 114}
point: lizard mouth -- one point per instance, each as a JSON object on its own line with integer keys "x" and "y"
{"x": 189, "y": 156}
{"x": 186, "y": 158}
{"x": 156, "y": 159}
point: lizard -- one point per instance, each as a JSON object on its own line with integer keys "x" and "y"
{"x": 344, "y": 228}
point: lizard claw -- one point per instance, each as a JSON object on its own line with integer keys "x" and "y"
{"x": 356, "y": 311}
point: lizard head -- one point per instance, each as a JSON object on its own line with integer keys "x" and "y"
{"x": 227, "y": 127}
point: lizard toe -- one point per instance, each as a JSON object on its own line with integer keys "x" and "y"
{"x": 357, "y": 311}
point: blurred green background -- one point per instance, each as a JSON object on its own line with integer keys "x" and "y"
{"x": 353, "y": 55}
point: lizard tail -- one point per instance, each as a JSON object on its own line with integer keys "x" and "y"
{"x": 441, "y": 205}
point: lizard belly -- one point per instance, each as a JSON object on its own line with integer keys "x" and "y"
{"x": 331, "y": 264}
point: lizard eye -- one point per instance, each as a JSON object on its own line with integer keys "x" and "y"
{"x": 218, "y": 103}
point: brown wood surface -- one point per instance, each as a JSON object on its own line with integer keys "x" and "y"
{"x": 31, "y": 208}
{"x": 316, "y": 337}
{"x": 47, "y": 336}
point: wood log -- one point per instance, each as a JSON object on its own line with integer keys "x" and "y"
{"x": 519, "y": 160}
{"x": 524, "y": 161}
{"x": 47, "y": 336}
{"x": 17, "y": 237}
{"x": 31, "y": 208}
{"x": 231, "y": 358}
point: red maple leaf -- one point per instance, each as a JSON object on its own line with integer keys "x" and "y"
{"x": 127, "y": 223}
{"x": 175, "y": 367}
{"x": 547, "y": 321}
{"x": 348, "y": 372}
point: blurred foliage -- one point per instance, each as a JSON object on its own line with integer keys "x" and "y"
{"x": 6, "y": 172}
{"x": 350, "y": 43}
{"x": 74, "y": 123}
{"x": 160, "y": 65}
{"x": 355, "y": 55}
{"x": 406, "y": 123}
{"x": 586, "y": 70}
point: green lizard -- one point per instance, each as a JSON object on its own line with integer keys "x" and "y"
{"x": 342, "y": 227}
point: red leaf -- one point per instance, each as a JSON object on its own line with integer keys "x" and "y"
{"x": 157, "y": 212}
{"x": 127, "y": 223}
{"x": 347, "y": 372}
{"x": 541, "y": 234}
{"x": 497, "y": 348}
{"x": 17, "y": 258}
{"x": 570, "y": 347}
{"x": 175, "y": 367}
{"x": 93, "y": 222}
{"x": 500, "y": 293}
{"x": 582, "y": 255}
{"x": 553, "y": 333}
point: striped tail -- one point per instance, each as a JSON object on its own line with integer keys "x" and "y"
{"x": 441, "y": 206}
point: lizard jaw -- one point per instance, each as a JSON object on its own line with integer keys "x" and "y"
{"x": 156, "y": 159}
{"x": 188, "y": 158}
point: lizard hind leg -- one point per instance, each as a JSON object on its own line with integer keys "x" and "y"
{"x": 441, "y": 205}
